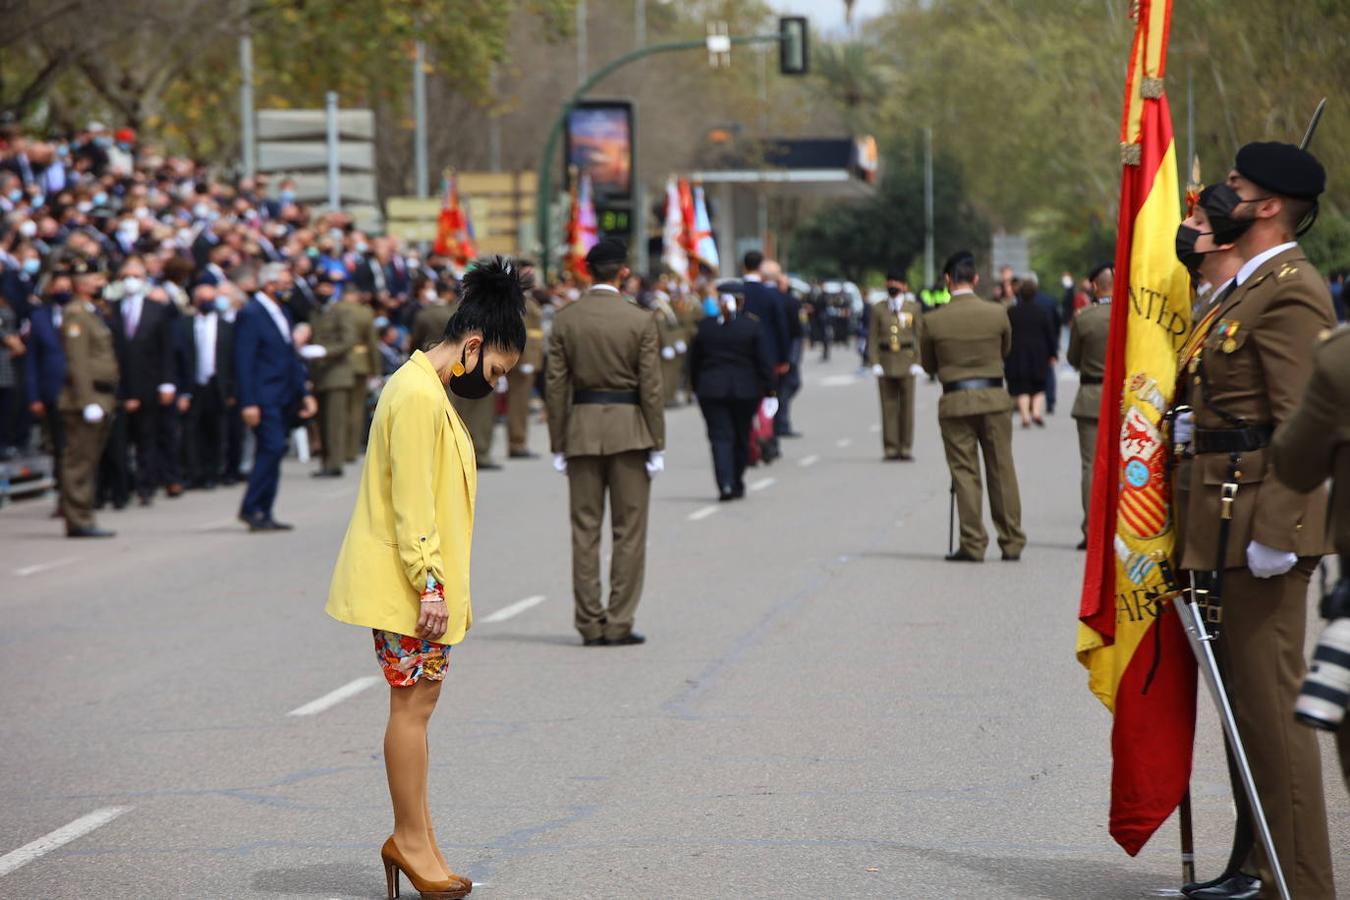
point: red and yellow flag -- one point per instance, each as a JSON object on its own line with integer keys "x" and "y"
{"x": 1136, "y": 653}
{"x": 454, "y": 235}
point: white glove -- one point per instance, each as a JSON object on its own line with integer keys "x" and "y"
{"x": 878, "y": 371}
{"x": 681, "y": 347}
{"x": 560, "y": 463}
{"x": 1183, "y": 428}
{"x": 313, "y": 351}
{"x": 502, "y": 385}
{"x": 526, "y": 369}
{"x": 916, "y": 370}
{"x": 667, "y": 353}
{"x": 656, "y": 463}
{"x": 769, "y": 408}
{"x": 93, "y": 414}
{"x": 1267, "y": 562}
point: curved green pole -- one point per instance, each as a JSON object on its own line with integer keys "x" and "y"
{"x": 555, "y": 133}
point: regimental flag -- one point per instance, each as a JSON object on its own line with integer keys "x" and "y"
{"x": 687, "y": 227}
{"x": 582, "y": 228}
{"x": 674, "y": 255}
{"x": 454, "y": 234}
{"x": 705, "y": 248}
{"x": 1136, "y": 653}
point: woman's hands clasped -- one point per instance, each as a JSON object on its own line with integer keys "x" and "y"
{"x": 432, "y": 620}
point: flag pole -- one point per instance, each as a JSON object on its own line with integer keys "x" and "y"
{"x": 1187, "y": 840}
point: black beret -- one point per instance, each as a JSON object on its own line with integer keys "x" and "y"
{"x": 1282, "y": 168}
{"x": 1099, "y": 268}
{"x": 607, "y": 252}
{"x": 896, "y": 275}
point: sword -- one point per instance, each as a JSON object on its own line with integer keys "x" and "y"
{"x": 1312, "y": 125}
{"x": 1186, "y": 603}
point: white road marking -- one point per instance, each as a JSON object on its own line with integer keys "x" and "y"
{"x": 838, "y": 380}
{"x": 42, "y": 567}
{"x": 808, "y": 460}
{"x": 515, "y": 609}
{"x": 843, "y": 442}
{"x": 763, "y": 484}
{"x": 875, "y": 429}
{"x": 59, "y": 838}
{"x": 700, "y": 514}
{"x": 333, "y": 698}
{"x": 218, "y": 523}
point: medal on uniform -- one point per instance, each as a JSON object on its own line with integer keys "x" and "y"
{"x": 1227, "y": 331}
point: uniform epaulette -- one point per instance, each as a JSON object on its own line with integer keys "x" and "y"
{"x": 1288, "y": 270}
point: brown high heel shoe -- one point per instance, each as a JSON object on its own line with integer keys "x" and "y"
{"x": 453, "y": 888}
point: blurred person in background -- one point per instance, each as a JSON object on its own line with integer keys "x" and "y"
{"x": 204, "y": 348}
{"x": 1034, "y": 343}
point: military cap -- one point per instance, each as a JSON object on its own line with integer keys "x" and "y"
{"x": 1098, "y": 269}
{"x": 1282, "y": 168}
{"x": 896, "y": 275}
{"x": 607, "y": 252}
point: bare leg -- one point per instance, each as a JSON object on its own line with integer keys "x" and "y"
{"x": 405, "y": 763}
{"x": 1038, "y": 408}
{"x": 1024, "y": 409}
{"x": 431, "y": 829}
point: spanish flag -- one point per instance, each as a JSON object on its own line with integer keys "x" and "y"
{"x": 1139, "y": 664}
{"x": 454, "y": 234}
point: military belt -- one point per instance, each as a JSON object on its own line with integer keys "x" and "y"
{"x": 971, "y": 384}
{"x": 583, "y": 397}
{"x": 1089, "y": 380}
{"x": 105, "y": 387}
{"x": 1233, "y": 440}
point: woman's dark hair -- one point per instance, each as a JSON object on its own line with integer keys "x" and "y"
{"x": 492, "y": 303}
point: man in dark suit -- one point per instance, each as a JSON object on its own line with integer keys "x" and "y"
{"x": 45, "y": 365}
{"x": 730, "y": 373}
{"x": 142, "y": 325}
{"x": 271, "y": 382}
{"x": 1051, "y": 307}
{"x": 204, "y": 349}
{"x": 765, "y": 303}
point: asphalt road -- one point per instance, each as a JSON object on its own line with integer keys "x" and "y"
{"x": 824, "y": 707}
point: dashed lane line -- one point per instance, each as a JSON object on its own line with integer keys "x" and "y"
{"x": 700, "y": 514}
{"x": 59, "y": 838}
{"x": 806, "y": 461}
{"x": 515, "y": 609}
{"x": 763, "y": 484}
{"x": 333, "y": 698}
{"x": 35, "y": 568}
{"x": 843, "y": 442}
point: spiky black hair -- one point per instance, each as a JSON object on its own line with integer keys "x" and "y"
{"x": 492, "y": 303}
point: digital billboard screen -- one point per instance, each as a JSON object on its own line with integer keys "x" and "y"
{"x": 600, "y": 144}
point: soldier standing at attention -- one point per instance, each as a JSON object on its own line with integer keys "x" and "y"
{"x": 1087, "y": 354}
{"x": 1250, "y": 373}
{"x": 606, "y": 422}
{"x": 893, "y": 353}
{"x": 365, "y": 363}
{"x": 520, "y": 380}
{"x": 964, "y": 343}
{"x": 330, "y": 352}
{"x": 1314, "y": 445}
{"x": 87, "y": 400}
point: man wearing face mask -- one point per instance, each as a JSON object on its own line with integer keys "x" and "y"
{"x": 45, "y": 366}
{"x": 1088, "y": 338}
{"x": 607, "y": 428}
{"x": 1257, "y": 540}
{"x": 330, "y": 358}
{"x": 893, "y": 333}
{"x": 272, "y": 383}
{"x": 365, "y": 359}
{"x": 143, "y": 329}
{"x": 204, "y": 351}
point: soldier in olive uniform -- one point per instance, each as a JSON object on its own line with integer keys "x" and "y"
{"x": 520, "y": 381}
{"x": 1249, "y": 375}
{"x": 1314, "y": 445}
{"x": 606, "y": 421}
{"x": 365, "y": 362}
{"x": 893, "y": 334}
{"x": 334, "y": 375}
{"x": 87, "y": 400}
{"x": 479, "y": 415}
{"x": 964, "y": 343}
{"x": 674, "y": 346}
{"x": 1087, "y": 354}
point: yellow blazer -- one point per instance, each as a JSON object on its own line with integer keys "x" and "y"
{"x": 414, "y": 511}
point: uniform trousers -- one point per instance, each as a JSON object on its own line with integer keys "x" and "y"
{"x": 965, "y": 438}
{"x": 356, "y": 398}
{"x": 480, "y": 418}
{"x": 897, "y": 414}
{"x": 1087, "y": 455}
{"x": 1261, "y": 648}
{"x": 520, "y": 385}
{"x": 728, "y": 423}
{"x": 205, "y": 436}
{"x": 265, "y": 476}
{"x": 333, "y": 409}
{"x": 624, "y": 477}
{"x": 79, "y": 466}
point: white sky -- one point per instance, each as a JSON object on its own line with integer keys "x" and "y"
{"x": 827, "y": 16}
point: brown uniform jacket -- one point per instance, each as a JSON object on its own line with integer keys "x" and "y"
{"x": 533, "y": 354}
{"x": 1255, "y": 364}
{"x": 604, "y": 343}
{"x": 428, "y": 325}
{"x": 1314, "y": 443}
{"x": 366, "y": 350}
{"x": 893, "y": 337}
{"x": 967, "y": 338}
{"x": 335, "y": 331}
{"x": 91, "y": 359}
{"x": 1087, "y": 353}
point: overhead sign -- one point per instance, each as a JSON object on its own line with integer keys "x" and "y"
{"x": 600, "y": 144}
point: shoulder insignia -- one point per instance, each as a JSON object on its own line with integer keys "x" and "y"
{"x": 72, "y": 330}
{"x": 1287, "y": 270}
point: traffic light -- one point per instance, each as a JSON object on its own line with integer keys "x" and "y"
{"x": 793, "y": 54}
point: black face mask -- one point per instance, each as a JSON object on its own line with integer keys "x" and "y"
{"x": 1186, "y": 252}
{"x": 60, "y": 298}
{"x": 893, "y": 291}
{"x": 471, "y": 385}
{"x": 1227, "y": 226}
